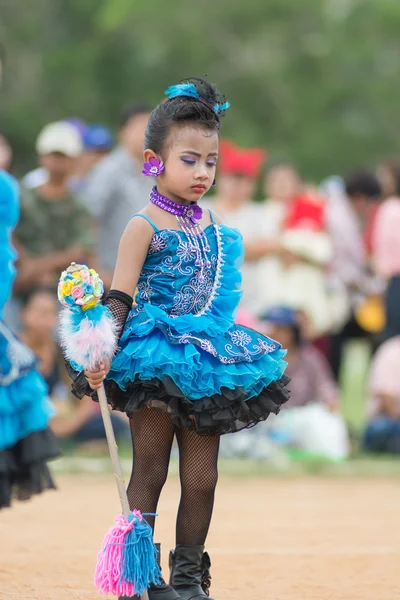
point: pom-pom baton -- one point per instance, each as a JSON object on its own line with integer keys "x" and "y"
{"x": 127, "y": 561}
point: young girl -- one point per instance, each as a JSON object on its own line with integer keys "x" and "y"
{"x": 26, "y": 442}
{"x": 184, "y": 368}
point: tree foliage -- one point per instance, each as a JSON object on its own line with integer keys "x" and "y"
{"x": 312, "y": 81}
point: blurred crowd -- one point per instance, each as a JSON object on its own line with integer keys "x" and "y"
{"x": 322, "y": 267}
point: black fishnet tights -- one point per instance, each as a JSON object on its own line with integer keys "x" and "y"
{"x": 198, "y": 470}
{"x": 152, "y": 437}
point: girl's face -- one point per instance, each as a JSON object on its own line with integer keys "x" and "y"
{"x": 190, "y": 159}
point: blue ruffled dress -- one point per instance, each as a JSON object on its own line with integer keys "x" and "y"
{"x": 181, "y": 351}
{"x": 26, "y": 443}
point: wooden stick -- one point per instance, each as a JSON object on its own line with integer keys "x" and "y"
{"x": 116, "y": 463}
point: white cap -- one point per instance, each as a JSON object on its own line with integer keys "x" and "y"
{"x": 59, "y": 137}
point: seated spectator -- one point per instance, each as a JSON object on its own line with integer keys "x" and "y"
{"x": 306, "y": 249}
{"x": 38, "y": 332}
{"x": 349, "y": 215}
{"x": 312, "y": 379}
{"x": 80, "y": 422}
{"x": 310, "y": 420}
{"x": 55, "y": 228}
{"x": 386, "y": 252}
{"x": 382, "y": 432}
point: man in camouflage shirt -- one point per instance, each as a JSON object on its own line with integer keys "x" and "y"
{"x": 55, "y": 228}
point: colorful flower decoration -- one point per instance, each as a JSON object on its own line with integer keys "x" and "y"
{"x": 80, "y": 287}
{"x": 153, "y": 168}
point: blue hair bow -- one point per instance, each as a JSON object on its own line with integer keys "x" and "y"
{"x": 219, "y": 108}
{"x": 182, "y": 89}
{"x": 188, "y": 89}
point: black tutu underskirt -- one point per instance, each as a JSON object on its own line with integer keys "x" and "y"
{"x": 227, "y": 412}
{"x": 23, "y": 468}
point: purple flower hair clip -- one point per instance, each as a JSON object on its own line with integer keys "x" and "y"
{"x": 153, "y": 168}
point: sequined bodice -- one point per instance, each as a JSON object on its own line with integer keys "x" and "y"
{"x": 170, "y": 278}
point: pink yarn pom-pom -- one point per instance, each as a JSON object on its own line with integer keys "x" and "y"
{"x": 108, "y": 573}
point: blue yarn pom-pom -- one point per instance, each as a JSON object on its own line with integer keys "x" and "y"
{"x": 139, "y": 556}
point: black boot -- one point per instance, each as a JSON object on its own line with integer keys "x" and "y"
{"x": 190, "y": 575}
{"x": 163, "y": 591}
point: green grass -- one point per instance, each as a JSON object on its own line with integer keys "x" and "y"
{"x": 285, "y": 465}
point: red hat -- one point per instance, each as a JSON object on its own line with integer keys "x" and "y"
{"x": 240, "y": 161}
{"x": 306, "y": 212}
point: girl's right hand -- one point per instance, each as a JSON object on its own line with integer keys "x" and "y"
{"x": 96, "y": 377}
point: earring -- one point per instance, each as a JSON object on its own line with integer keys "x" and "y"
{"x": 153, "y": 168}
{"x": 214, "y": 183}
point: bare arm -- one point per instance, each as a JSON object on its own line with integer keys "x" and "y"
{"x": 256, "y": 249}
{"x": 66, "y": 426}
{"x": 132, "y": 253}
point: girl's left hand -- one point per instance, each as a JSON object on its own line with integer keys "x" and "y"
{"x": 96, "y": 377}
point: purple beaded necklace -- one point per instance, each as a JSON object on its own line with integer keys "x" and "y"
{"x": 188, "y": 216}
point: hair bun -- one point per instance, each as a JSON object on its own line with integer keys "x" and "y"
{"x": 199, "y": 89}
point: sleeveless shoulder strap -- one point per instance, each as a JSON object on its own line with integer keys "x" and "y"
{"x": 154, "y": 226}
{"x": 212, "y": 216}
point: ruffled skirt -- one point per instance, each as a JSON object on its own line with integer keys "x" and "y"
{"x": 211, "y": 384}
{"x": 23, "y": 468}
{"x": 26, "y": 443}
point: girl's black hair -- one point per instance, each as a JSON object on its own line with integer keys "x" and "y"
{"x": 181, "y": 110}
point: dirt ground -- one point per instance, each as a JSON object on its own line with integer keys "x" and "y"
{"x": 289, "y": 539}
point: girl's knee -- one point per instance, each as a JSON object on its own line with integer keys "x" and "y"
{"x": 151, "y": 473}
{"x": 200, "y": 482}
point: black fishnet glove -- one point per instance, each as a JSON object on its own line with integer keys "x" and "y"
{"x": 119, "y": 304}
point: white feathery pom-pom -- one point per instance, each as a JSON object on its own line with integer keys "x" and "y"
{"x": 92, "y": 342}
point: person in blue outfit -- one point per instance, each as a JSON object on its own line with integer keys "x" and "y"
{"x": 26, "y": 442}
{"x": 183, "y": 367}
